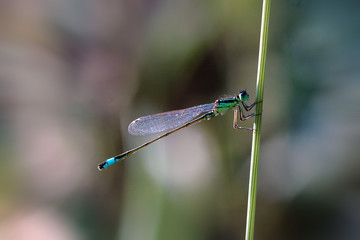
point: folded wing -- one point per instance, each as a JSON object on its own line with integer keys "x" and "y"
{"x": 166, "y": 121}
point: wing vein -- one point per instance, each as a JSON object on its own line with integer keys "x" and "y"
{"x": 161, "y": 122}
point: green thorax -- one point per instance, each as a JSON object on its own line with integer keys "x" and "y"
{"x": 224, "y": 104}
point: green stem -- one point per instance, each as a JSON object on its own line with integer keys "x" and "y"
{"x": 250, "y": 219}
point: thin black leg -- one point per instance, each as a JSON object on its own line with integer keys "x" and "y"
{"x": 248, "y": 108}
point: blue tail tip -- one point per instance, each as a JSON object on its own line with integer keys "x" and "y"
{"x": 107, "y": 163}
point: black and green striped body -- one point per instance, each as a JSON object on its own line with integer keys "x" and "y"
{"x": 223, "y": 104}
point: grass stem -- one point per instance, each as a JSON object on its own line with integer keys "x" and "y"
{"x": 250, "y": 219}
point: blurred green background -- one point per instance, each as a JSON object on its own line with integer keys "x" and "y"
{"x": 75, "y": 73}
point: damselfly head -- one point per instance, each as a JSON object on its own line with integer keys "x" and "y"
{"x": 243, "y": 96}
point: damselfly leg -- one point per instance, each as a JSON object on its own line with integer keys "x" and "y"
{"x": 248, "y": 108}
{"x": 239, "y": 114}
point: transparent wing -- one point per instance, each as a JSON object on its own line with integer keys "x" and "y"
{"x": 162, "y": 122}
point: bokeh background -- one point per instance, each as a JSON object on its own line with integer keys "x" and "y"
{"x": 75, "y": 73}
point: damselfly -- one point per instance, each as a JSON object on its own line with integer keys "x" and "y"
{"x": 175, "y": 120}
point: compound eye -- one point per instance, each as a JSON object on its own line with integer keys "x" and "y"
{"x": 243, "y": 95}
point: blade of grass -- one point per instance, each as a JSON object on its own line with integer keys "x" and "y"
{"x": 250, "y": 218}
